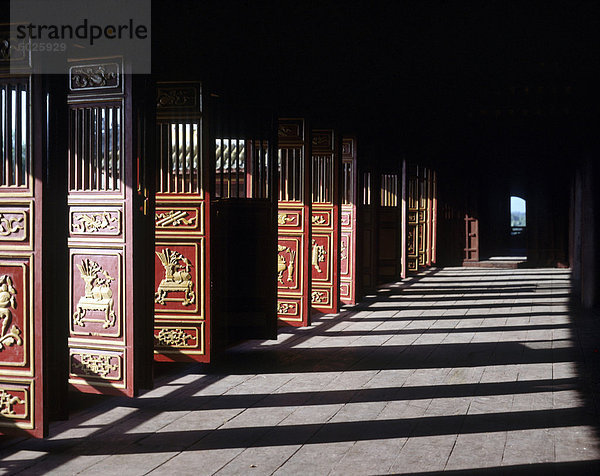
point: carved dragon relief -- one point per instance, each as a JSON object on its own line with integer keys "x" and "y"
{"x": 177, "y": 278}
{"x": 285, "y": 265}
{"x": 9, "y": 335}
{"x": 97, "y": 297}
{"x": 7, "y": 402}
{"x": 318, "y": 255}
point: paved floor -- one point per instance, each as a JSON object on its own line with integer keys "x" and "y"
{"x": 472, "y": 371}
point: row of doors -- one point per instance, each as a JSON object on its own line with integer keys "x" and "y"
{"x": 397, "y": 223}
{"x": 86, "y": 229}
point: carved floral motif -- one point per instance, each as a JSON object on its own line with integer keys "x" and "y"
{"x": 286, "y": 308}
{"x": 173, "y": 337}
{"x": 95, "y": 364}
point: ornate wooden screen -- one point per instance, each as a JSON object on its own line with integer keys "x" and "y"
{"x": 389, "y": 227}
{"x": 367, "y": 232}
{"x": 181, "y": 262}
{"x": 471, "y": 238}
{"x": 348, "y": 266}
{"x": 110, "y": 227}
{"x": 294, "y": 224}
{"x": 423, "y": 230}
{"x": 325, "y": 222}
{"x": 413, "y": 219}
{"x": 434, "y": 220}
{"x": 32, "y": 205}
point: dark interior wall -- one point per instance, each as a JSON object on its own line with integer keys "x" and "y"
{"x": 584, "y": 230}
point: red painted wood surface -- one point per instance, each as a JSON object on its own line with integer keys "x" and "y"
{"x": 182, "y": 320}
{"x": 110, "y": 213}
{"x": 294, "y": 224}
{"x": 32, "y": 379}
{"x": 325, "y": 221}
{"x": 348, "y": 257}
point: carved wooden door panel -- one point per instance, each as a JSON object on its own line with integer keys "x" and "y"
{"x": 293, "y": 220}
{"x": 325, "y": 222}
{"x": 472, "y": 238}
{"x": 431, "y": 217}
{"x": 367, "y": 235}
{"x": 110, "y": 215}
{"x": 181, "y": 278}
{"x": 413, "y": 220}
{"x": 390, "y": 207}
{"x": 348, "y": 222}
{"x": 32, "y": 202}
{"x": 422, "y": 216}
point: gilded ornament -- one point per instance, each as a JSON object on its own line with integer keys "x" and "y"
{"x": 283, "y": 218}
{"x": 318, "y": 255}
{"x": 9, "y": 335}
{"x": 10, "y": 225}
{"x": 317, "y": 297}
{"x": 97, "y": 297}
{"x": 284, "y": 265}
{"x": 177, "y": 278}
{"x": 93, "y": 364}
{"x": 318, "y": 220}
{"x": 285, "y": 308}
{"x": 174, "y": 218}
{"x": 7, "y": 402}
{"x": 173, "y": 337}
{"x": 94, "y": 76}
{"x": 94, "y": 222}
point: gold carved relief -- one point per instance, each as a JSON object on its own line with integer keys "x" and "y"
{"x": 283, "y": 218}
{"x": 177, "y": 278}
{"x": 343, "y": 250}
{"x": 7, "y": 401}
{"x": 9, "y": 335}
{"x": 173, "y": 337}
{"x": 286, "y": 308}
{"x": 317, "y": 297}
{"x": 94, "y": 364}
{"x": 174, "y": 218}
{"x": 318, "y": 255}
{"x": 283, "y": 264}
{"x": 94, "y": 222}
{"x": 98, "y": 295}
{"x": 319, "y": 220}
{"x": 10, "y": 225}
